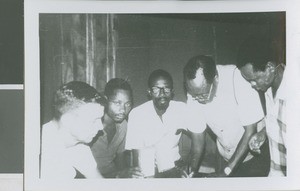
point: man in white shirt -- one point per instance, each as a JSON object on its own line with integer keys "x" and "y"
{"x": 77, "y": 119}
{"x": 218, "y": 97}
{"x": 260, "y": 62}
{"x": 153, "y": 129}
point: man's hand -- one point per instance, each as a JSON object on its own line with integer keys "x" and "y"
{"x": 256, "y": 141}
{"x": 184, "y": 168}
{"x": 132, "y": 172}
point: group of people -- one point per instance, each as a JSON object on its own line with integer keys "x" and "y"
{"x": 103, "y": 136}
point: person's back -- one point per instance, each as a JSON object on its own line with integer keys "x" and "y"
{"x": 53, "y": 154}
{"x": 77, "y": 119}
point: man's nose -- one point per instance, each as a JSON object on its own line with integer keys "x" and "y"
{"x": 122, "y": 108}
{"x": 162, "y": 92}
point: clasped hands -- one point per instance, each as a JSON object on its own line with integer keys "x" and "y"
{"x": 256, "y": 141}
{"x": 184, "y": 169}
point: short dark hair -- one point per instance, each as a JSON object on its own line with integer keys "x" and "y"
{"x": 259, "y": 51}
{"x": 116, "y": 84}
{"x": 207, "y": 63}
{"x": 159, "y": 73}
{"x": 72, "y": 95}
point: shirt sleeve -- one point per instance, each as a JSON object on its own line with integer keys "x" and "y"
{"x": 249, "y": 105}
{"x": 121, "y": 147}
{"x": 194, "y": 118}
{"x": 134, "y": 135}
{"x": 282, "y": 120}
{"x": 83, "y": 160}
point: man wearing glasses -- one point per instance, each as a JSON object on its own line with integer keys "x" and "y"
{"x": 219, "y": 97}
{"x": 152, "y": 129}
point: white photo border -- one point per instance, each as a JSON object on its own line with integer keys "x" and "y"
{"x": 32, "y": 9}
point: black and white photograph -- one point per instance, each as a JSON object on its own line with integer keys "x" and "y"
{"x": 157, "y": 96}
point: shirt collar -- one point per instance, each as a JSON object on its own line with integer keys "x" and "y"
{"x": 281, "y": 91}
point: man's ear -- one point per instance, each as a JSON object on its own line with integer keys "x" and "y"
{"x": 149, "y": 96}
{"x": 172, "y": 93}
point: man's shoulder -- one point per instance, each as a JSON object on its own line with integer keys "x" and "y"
{"x": 177, "y": 104}
{"x": 226, "y": 69}
{"x": 49, "y": 127}
{"x": 233, "y": 78}
{"x": 80, "y": 148}
{"x": 281, "y": 92}
{"x": 49, "y": 124}
{"x": 142, "y": 108}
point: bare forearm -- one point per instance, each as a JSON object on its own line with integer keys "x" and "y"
{"x": 130, "y": 169}
{"x": 242, "y": 148}
{"x": 135, "y": 158}
{"x": 198, "y": 145}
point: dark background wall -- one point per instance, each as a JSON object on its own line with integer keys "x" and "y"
{"x": 148, "y": 42}
{"x": 11, "y": 131}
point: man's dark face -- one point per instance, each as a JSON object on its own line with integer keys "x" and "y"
{"x": 161, "y": 92}
{"x": 119, "y": 105}
{"x": 259, "y": 80}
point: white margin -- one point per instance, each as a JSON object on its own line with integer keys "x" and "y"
{"x": 11, "y": 87}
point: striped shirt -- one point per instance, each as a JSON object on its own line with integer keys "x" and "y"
{"x": 276, "y": 129}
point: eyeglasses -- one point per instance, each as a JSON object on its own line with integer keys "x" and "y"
{"x": 156, "y": 90}
{"x": 205, "y": 97}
